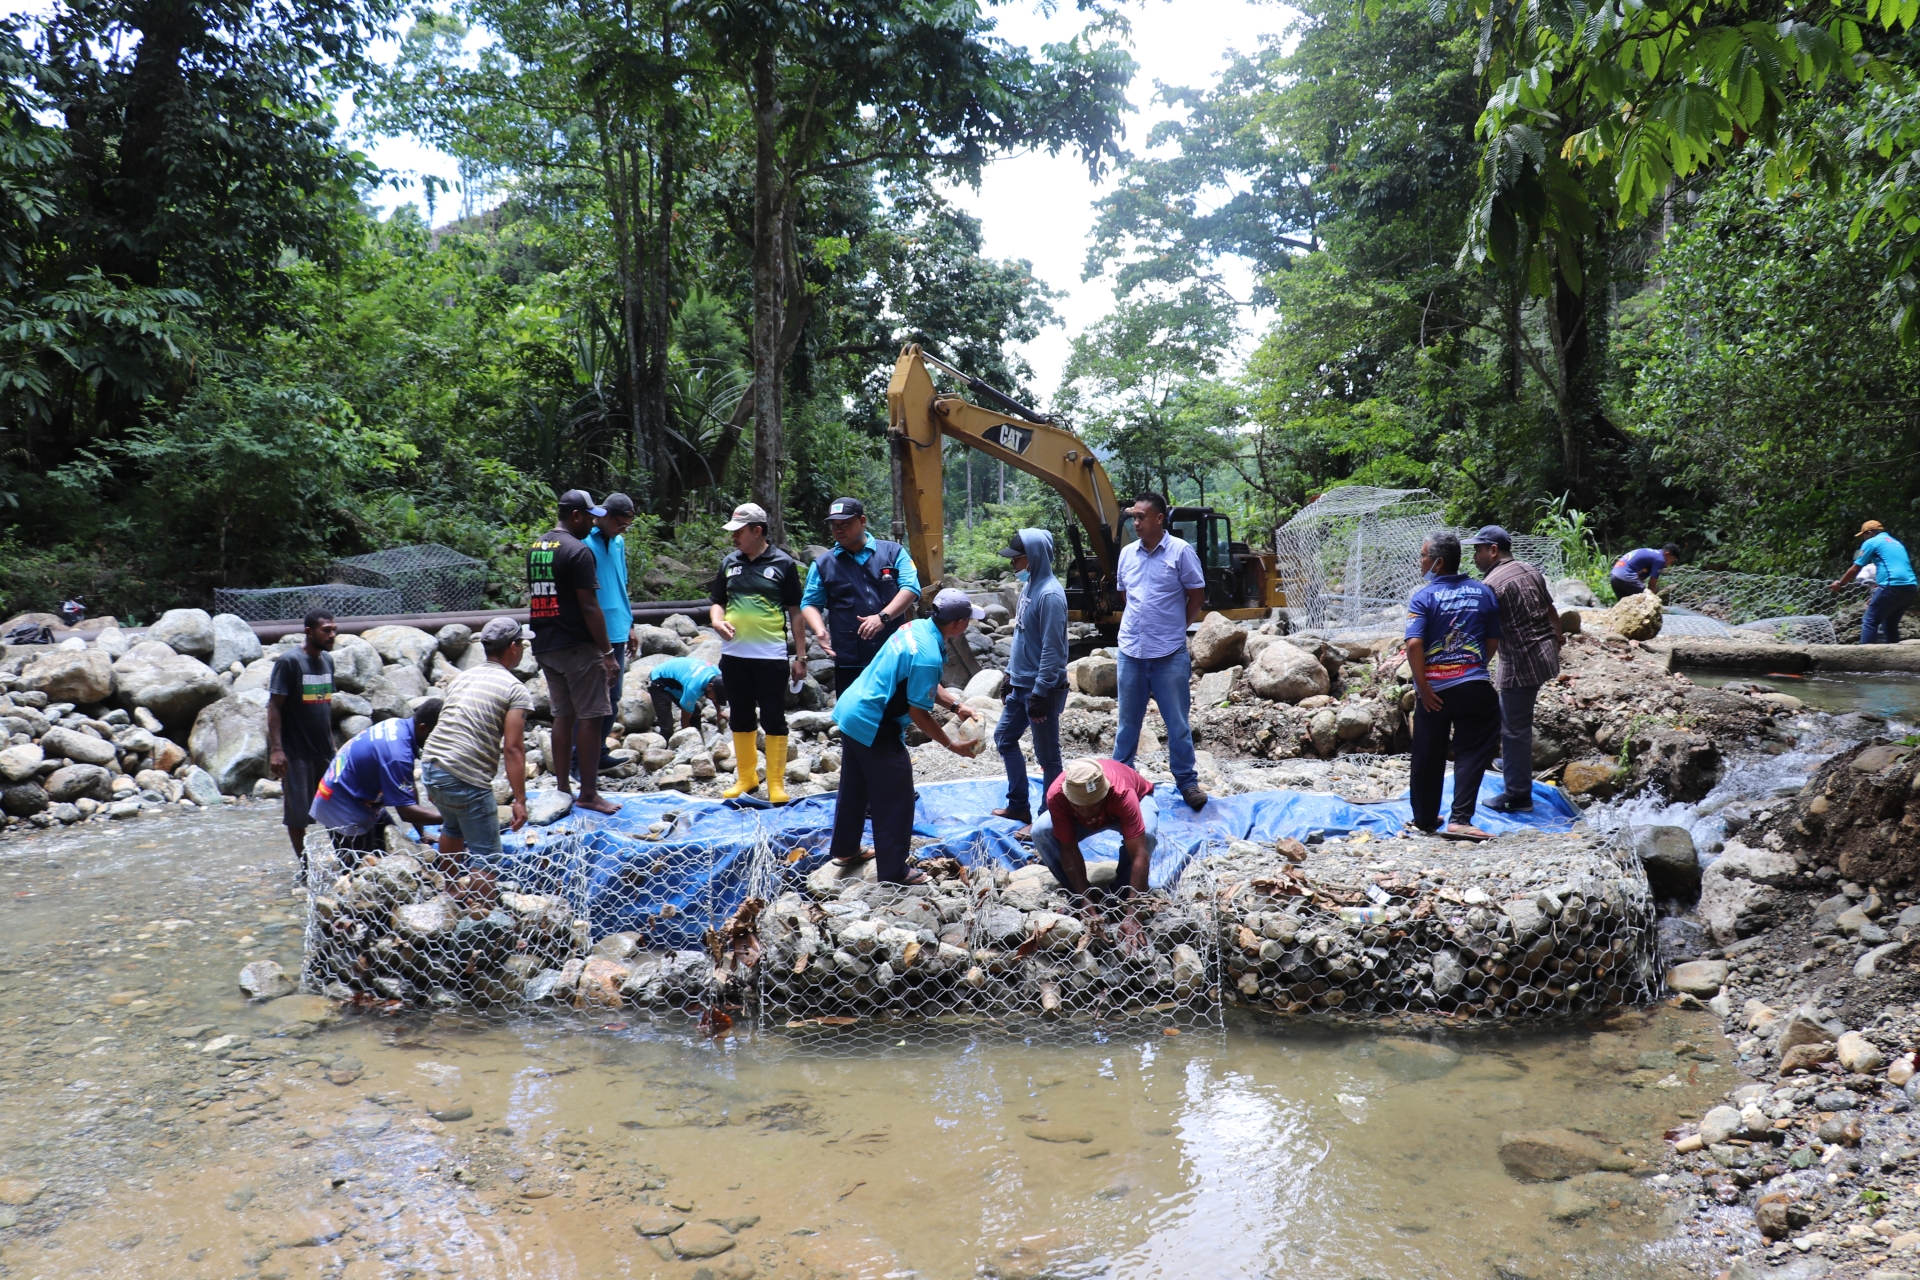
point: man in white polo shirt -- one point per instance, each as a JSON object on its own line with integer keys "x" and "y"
{"x": 1160, "y": 577}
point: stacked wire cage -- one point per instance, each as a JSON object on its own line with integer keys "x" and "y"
{"x": 1777, "y": 606}
{"x": 340, "y": 599}
{"x": 429, "y": 578}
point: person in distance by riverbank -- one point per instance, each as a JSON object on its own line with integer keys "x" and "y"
{"x": 1638, "y": 570}
{"x": 1895, "y": 586}
{"x": 300, "y": 724}
{"x": 1453, "y": 632}
{"x": 1530, "y": 641}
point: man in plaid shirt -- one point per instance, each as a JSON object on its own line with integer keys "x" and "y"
{"x": 1529, "y": 656}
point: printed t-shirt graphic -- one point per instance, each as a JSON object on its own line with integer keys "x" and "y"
{"x": 1454, "y": 616}
{"x": 756, "y": 595}
{"x": 559, "y": 566}
{"x": 306, "y": 722}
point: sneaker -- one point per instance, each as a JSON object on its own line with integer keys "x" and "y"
{"x": 1196, "y": 798}
{"x": 1506, "y": 804}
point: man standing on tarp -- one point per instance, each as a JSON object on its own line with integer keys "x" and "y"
{"x": 867, "y": 587}
{"x": 611, "y": 520}
{"x": 1895, "y": 585}
{"x": 570, "y": 643}
{"x": 1036, "y": 670}
{"x": 1453, "y": 632}
{"x": 1160, "y": 578}
{"x": 901, "y": 684}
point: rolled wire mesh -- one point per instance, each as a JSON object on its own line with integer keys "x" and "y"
{"x": 273, "y": 604}
{"x": 1795, "y": 609}
{"x": 430, "y": 578}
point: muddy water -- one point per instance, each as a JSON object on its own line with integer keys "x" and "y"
{"x": 858, "y": 1152}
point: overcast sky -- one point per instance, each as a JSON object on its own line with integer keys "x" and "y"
{"x": 1036, "y": 206}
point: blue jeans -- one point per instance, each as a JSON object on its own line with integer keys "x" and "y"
{"x": 1884, "y": 608}
{"x": 1046, "y": 744}
{"x": 1168, "y": 681}
{"x": 467, "y": 813}
{"x": 1046, "y": 845}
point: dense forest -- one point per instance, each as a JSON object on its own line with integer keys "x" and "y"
{"x": 1645, "y": 272}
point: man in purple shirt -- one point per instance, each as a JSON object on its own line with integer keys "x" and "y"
{"x": 1638, "y": 570}
{"x": 1453, "y": 631}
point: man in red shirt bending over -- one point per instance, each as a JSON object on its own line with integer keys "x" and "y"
{"x": 1088, "y": 797}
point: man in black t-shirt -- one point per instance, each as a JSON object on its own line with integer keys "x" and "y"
{"x": 570, "y": 644}
{"x": 300, "y": 724}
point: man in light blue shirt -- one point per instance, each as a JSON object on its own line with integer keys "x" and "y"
{"x": 611, "y": 519}
{"x": 1895, "y": 587}
{"x": 1165, "y": 590}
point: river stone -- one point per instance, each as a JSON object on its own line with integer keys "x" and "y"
{"x": 1857, "y": 1053}
{"x": 1667, "y": 853}
{"x": 1323, "y": 730}
{"x": 658, "y": 1224}
{"x": 201, "y": 788}
{"x": 233, "y": 641}
{"x": 1286, "y": 673}
{"x": 355, "y": 663}
{"x": 77, "y": 781}
{"x": 409, "y": 646}
{"x": 19, "y": 1191}
{"x": 1596, "y": 778}
{"x": 17, "y": 764}
{"x": 265, "y": 980}
{"x": 1096, "y": 675}
{"x": 229, "y": 741}
{"x": 1406, "y": 1059}
{"x": 80, "y": 747}
{"x": 185, "y": 631}
{"x": 1803, "y": 1026}
{"x": 82, "y": 676}
{"x": 1637, "y": 617}
{"x": 24, "y": 799}
{"x": 311, "y": 1010}
{"x": 1218, "y": 644}
{"x": 1549, "y": 1155}
{"x": 659, "y": 640}
{"x": 429, "y": 919}
{"x": 1353, "y": 720}
{"x": 700, "y": 1239}
{"x": 171, "y": 686}
{"x": 1720, "y": 1124}
{"x": 407, "y": 680}
{"x": 1698, "y": 977}
{"x": 454, "y": 639}
{"x": 544, "y": 807}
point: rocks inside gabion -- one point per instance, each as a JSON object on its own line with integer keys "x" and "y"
{"x": 1535, "y": 925}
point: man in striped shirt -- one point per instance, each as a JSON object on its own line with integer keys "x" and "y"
{"x": 1530, "y": 641}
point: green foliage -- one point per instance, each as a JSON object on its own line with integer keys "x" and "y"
{"x": 1574, "y": 532}
{"x": 975, "y": 552}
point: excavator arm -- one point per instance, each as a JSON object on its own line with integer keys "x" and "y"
{"x": 918, "y": 415}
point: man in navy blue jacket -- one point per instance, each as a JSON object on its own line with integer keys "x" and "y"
{"x": 1036, "y": 670}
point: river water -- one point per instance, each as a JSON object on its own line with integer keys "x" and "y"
{"x": 1244, "y": 1152}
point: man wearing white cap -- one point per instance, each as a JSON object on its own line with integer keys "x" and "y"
{"x": 756, "y": 609}
{"x": 1091, "y": 796}
{"x": 901, "y": 684}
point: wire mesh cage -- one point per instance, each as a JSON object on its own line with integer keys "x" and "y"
{"x": 273, "y": 604}
{"x": 1796, "y": 609}
{"x": 429, "y": 578}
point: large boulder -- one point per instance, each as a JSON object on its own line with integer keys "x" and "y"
{"x": 83, "y": 676}
{"x": 17, "y": 764}
{"x": 1286, "y": 673}
{"x": 79, "y": 780}
{"x": 170, "y": 685}
{"x": 408, "y": 645}
{"x": 1574, "y": 592}
{"x": 406, "y": 679}
{"x": 1672, "y": 865}
{"x": 233, "y": 641}
{"x": 388, "y": 702}
{"x": 454, "y": 639}
{"x": 258, "y": 675}
{"x": 1097, "y": 676}
{"x": 77, "y": 746}
{"x": 659, "y": 640}
{"x": 229, "y": 741}
{"x": 24, "y": 799}
{"x": 1637, "y": 617}
{"x": 1740, "y": 893}
{"x": 1217, "y": 644}
{"x": 355, "y": 663}
{"x": 111, "y": 641}
{"x": 185, "y": 631}
{"x": 200, "y": 788}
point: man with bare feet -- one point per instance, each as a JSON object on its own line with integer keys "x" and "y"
{"x": 1088, "y": 797}
{"x": 570, "y": 643}
{"x": 1453, "y": 631}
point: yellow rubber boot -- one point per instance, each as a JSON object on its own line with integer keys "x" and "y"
{"x": 746, "y": 764}
{"x": 776, "y": 769}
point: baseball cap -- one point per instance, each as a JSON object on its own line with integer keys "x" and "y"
{"x": 576, "y": 500}
{"x": 745, "y": 514}
{"x": 1084, "y": 782}
{"x": 1871, "y": 526}
{"x": 954, "y": 603}
{"x": 1490, "y": 536}
{"x": 616, "y": 504}
{"x": 846, "y": 509}
{"x": 498, "y": 633}
{"x": 1015, "y": 546}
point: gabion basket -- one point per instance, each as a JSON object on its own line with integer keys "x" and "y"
{"x": 1739, "y": 599}
{"x": 429, "y": 578}
{"x": 275, "y": 604}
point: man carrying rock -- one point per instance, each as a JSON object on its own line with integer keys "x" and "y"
{"x": 372, "y": 771}
{"x": 611, "y": 520}
{"x": 571, "y": 645}
{"x": 1453, "y": 632}
{"x": 867, "y": 587}
{"x": 1637, "y": 571}
{"x": 1036, "y": 670}
{"x": 681, "y": 683}
{"x": 902, "y": 683}
{"x": 1160, "y": 580}
{"x": 1091, "y": 796}
{"x": 1530, "y": 641}
{"x": 485, "y": 715}
{"x": 1894, "y": 583}
{"x": 300, "y": 724}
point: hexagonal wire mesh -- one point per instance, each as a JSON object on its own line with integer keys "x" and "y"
{"x": 1797, "y": 610}
{"x": 275, "y": 604}
{"x": 430, "y": 578}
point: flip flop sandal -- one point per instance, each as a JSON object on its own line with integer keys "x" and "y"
{"x": 916, "y": 876}
{"x": 1475, "y": 836}
{"x": 847, "y": 864}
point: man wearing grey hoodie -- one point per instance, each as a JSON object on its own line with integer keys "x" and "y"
{"x": 1036, "y": 670}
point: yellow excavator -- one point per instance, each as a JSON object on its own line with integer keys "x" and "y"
{"x": 1241, "y": 582}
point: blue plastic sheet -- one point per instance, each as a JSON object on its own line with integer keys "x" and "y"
{"x": 703, "y": 866}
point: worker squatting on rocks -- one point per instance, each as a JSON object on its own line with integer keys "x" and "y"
{"x": 1164, "y": 590}
{"x": 866, "y": 586}
{"x": 1453, "y": 632}
{"x": 1895, "y": 585}
{"x": 902, "y": 683}
{"x": 1036, "y": 670}
{"x": 680, "y": 684}
{"x": 374, "y": 770}
{"x": 1530, "y": 641}
{"x": 300, "y": 724}
{"x": 483, "y": 723}
{"x": 756, "y": 611}
{"x": 1091, "y": 796}
{"x": 570, "y": 643}
{"x": 1639, "y": 570}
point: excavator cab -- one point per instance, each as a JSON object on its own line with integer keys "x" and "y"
{"x": 1237, "y": 579}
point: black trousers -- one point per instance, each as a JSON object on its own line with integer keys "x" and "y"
{"x": 666, "y": 706}
{"x": 843, "y": 678}
{"x": 879, "y": 779}
{"x": 1469, "y": 719}
{"x": 756, "y": 694}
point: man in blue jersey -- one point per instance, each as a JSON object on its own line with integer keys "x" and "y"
{"x": 1453, "y": 631}
{"x": 900, "y": 684}
{"x": 374, "y": 770}
{"x": 1894, "y": 583}
{"x": 1638, "y": 570}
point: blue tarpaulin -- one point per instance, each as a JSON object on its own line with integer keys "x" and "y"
{"x": 703, "y": 865}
